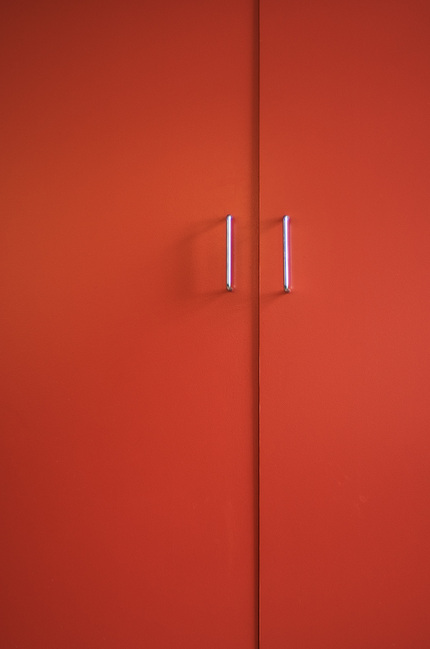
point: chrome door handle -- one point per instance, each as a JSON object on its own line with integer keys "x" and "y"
{"x": 286, "y": 232}
{"x": 229, "y": 260}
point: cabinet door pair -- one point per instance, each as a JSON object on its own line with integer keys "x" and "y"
{"x": 185, "y": 466}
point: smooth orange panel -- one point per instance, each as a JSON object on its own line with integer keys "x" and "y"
{"x": 345, "y": 358}
{"x": 128, "y": 373}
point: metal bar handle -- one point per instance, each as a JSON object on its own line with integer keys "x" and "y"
{"x": 229, "y": 220}
{"x": 286, "y": 232}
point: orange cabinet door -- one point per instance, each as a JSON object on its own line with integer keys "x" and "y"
{"x": 345, "y": 365}
{"x": 128, "y": 372}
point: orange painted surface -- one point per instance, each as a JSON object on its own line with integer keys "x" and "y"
{"x": 128, "y": 373}
{"x": 345, "y": 360}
